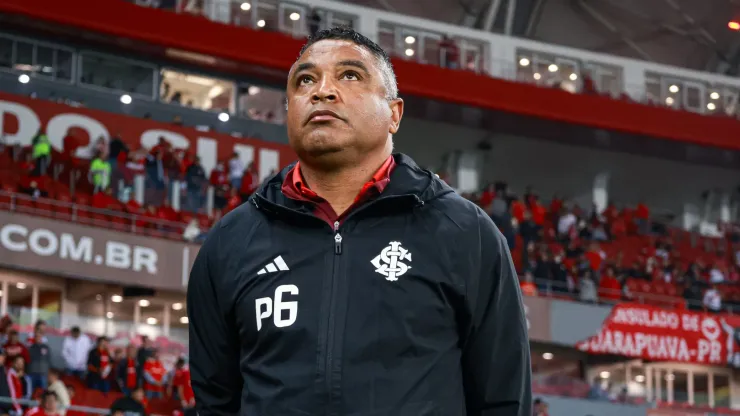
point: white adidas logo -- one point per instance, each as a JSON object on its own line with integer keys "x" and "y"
{"x": 275, "y": 265}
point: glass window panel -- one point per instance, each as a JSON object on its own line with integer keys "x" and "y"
{"x": 241, "y": 13}
{"x": 721, "y": 390}
{"x": 23, "y": 55}
{"x": 267, "y": 15}
{"x": 262, "y": 103}
{"x": 45, "y": 61}
{"x": 19, "y": 302}
{"x": 680, "y": 386}
{"x": 434, "y": 49}
{"x": 336, "y": 19}
{"x": 701, "y": 389}
{"x": 294, "y": 20}
{"x": 108, "y": 72}
{"x": 64, "y": 65}
{"x": 387, "y": 39}
{"x": 197, "y": 91}
{"x": 6, "y": 53}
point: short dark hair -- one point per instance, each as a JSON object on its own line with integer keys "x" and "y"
{"x": 350, "y": 35}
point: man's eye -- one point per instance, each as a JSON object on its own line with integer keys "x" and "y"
{"x": 350, "y": 76}
{"x": 305, "y": 80}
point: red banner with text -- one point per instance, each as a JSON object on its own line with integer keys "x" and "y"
{"x": 657, "y": 334}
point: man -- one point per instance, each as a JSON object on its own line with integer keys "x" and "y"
{"x": 154, "y": 376}
{"x": 126, "y": 372}
{"x": 354, "y": 282}
{"x": 40, "y": 364}
{"x": 74, "y": 350}
{"x": 99, "y": 366}
{"x": 48, "y": 406}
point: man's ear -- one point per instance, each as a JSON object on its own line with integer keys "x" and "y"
{"x": 396, "y": 106}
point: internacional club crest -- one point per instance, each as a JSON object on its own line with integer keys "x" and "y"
{"x": 390, "y": 263}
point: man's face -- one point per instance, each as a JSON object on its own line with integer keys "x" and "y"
{"x": 337, "y": 103}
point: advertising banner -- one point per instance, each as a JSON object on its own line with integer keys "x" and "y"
{"x": 22, "y": 117}
{"x": 78, "y": 251}
{"x": 653, "y": 333}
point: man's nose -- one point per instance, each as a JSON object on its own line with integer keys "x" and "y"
{"x": 325, "y": 91}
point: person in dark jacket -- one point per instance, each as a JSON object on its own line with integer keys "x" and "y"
{"x": 99, "y": 366}
{"x": 127, "y": 374}
{"x": 5, "y": 407}
{"x": 354, "y": 282}
{"x": 40, "y": 364}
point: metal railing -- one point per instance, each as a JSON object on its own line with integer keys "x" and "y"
{"x": 87, "y": 215}
{"x": 604, "y": 296}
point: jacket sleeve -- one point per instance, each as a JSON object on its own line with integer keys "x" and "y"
{"x": 496, "y": 358}
{"x": 214, "y": 344}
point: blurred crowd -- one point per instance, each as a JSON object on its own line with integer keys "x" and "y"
{"x": 136, "y": 374}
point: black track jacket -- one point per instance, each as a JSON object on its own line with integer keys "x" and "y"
{"x": 410, "y": 307}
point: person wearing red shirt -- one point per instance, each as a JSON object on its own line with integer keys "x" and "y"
{"x": 219, "y": 179}
{"x": 99, "y": 366}
{"x": 538, "y": 213}
{"x": 181, "y": 382}
{"x": 609, "y": 287}
{"x": 249, "y": 182}
{"x": 595, "y": 257}
{"x": 642, "y": 218}
{"x": 487, "y": 196}
{"x": 15, "y": 381}
{"x": 517, "y": 210}
{"x": 14, "y": 348}
{"x": 527, "y": 285}
{"x": 126, "y": 374}
{"x": 154, "y": 376}
{"x": 48, "y": 406}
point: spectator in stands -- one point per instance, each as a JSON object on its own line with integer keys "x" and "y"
{"x": 236, "y": 171}
{"x": 712, "y": 299}
{"x": 48, "y": 406}
{"x": 155, "y": 173}
{"x": 6, "y": 325}
{"x": 587, "y": 288}
{"x": 539, "y": 407}
{"x": 33, "y": 190}
{"x": 39, "y": 332}
{"x": 566, "y": 225}
{"x": 529, "y": 231}
{"x": 642, "y": 218}
{"x": 598, "y": 392}
{"x": 154, "y": 376}
{"x": 99, "y": 366}
{"x": 126, "y": 374}
{"x": 145, "y": 351}
{"x": 133, "y": 404}
{"x": 15, "y": 348}
{"x": 250, "y": 181}
{"x": 18, "y": 383}
{"x": 450, "y": 53}
{"x": 180, "y": 381}
{"x": 100, "y": 172}
{"x": 41, "y": 154}
{"x": 40, "y": 361}
{"x": 220, "y": 182}
{"x": 610, "y": 289}
{"x": 196, "y": 184}
{"x": 5, "y": 391}
{"x": 56, "y": 386}
{"x": 75, "y": 351}
{"x": 527, "y": 285}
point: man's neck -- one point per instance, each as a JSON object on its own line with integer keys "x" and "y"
{"x": 340, "y": 187}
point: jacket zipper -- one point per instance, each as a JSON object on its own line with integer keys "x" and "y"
{"x": 329, "y": 359}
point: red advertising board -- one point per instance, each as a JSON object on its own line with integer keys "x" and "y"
{"x": 22, "y": 117}
{"x": 656, "y": 334}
